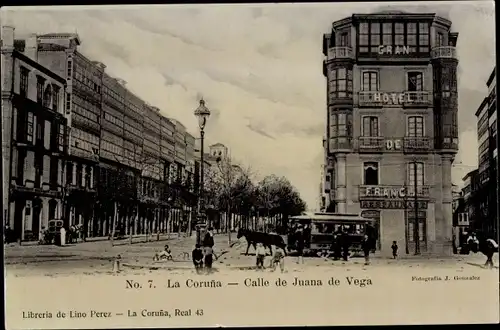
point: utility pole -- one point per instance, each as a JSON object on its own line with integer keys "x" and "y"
{"x": 416, "y": 224}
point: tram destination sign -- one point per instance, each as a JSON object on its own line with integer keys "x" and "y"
{"x": 392, "y": 204}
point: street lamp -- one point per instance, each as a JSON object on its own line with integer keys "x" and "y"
{"x": 202, "y": 113}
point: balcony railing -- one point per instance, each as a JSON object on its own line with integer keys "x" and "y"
{"x": 444, "y": 52}
{"x": 406, "y": 98}
{"x": 338, "y": 144}
{"x": 340, "y": 53}
{"x": 417, "y": 144}
{"x": 422, "y": 98}
{"x": 392, "y": 192}
{"x": 371, "y": 143}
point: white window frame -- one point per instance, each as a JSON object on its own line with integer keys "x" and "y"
{"x": 377, "y": 72}
{"x": 363, "y": 126}
{"x": 415, "y": 71}
{"x": 363, "y": 171}
{"x": 410, "y": 175}
{"x": 408, "y": 125}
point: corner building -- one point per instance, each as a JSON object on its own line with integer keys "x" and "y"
{"x": 392, "y": 125}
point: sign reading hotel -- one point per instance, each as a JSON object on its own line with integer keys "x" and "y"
{"x": 392, "y": 98}
{"x": 396, "y": 50}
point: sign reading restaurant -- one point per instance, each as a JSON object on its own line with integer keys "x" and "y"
{"x": 392, "y": 204}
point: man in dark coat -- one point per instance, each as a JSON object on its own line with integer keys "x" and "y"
{"x": 345, "y": 245}
{"x": 208, "y": 245}
{"x": 299, "y": 239}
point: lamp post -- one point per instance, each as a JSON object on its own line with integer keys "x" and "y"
{"x": 202, "y": 113}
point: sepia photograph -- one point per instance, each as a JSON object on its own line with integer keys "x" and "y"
{"x": 271, "y": 164}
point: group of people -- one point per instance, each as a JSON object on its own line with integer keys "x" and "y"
{"x": 203, "y": 258}
{"x": 277, "y": 257}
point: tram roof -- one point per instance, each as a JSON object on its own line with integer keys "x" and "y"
{"x": 332, "y": 217}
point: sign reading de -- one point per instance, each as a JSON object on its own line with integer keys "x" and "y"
{"x": 393, "y": 144}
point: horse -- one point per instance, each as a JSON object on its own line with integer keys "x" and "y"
{"x": 486, "y": 246}
{"x": 254, "y": 237}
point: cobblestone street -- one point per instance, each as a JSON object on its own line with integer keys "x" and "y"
{"x": 97, "y": 257}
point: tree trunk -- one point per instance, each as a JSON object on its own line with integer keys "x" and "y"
{"x": 132, "y": 222}
{"x": 228, "y": 224}
{"x": 115, "y": 220}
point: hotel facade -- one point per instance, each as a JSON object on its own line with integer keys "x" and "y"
{"x": 392, "y": 130}
{"x": 101, "y": 147}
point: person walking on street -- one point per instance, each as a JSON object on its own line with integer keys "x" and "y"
{"x": 260, "y": 253}
{"x": 208, "y": 245}
{"x": 394, "y": 248}
{"x": 299, "y": 239}
{"x": 345, "y": 245}
{"x": 365, "y": 245}
{"x": 198, "y": 258}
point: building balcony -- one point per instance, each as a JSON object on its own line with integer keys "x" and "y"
{"x": 444, "y": 52}
{"x": 371, "y": 144}
{"x": 340, "y": 144}
{"x": 395, "y": 192}
{"x": 417, "y": 144}
{"x": 417, "y": 98}
{"x": 335, "y": 53}
{"x": 398, "y": 99}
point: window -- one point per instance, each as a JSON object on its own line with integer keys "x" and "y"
{"x": 449, "y": 81}
{"x": 69, "y": 69}
{"x": 69, "y": 173}
{"x": 29, "y": 128}
{"x": 47, "y": 96}
{"x": 39, "y": 89}
{"x": 344, "y": 41}
{"x": 415, "y": 81}
{"x": 340, "y": 84}
{"x": 370, "y": 126}
{"x": 411, "y": 34}
{"x": 415, "y": 171}
{"x": 23, "y": 87}
{"x": 342, "y": 124}
{"x": 55, "y": 98}
{"x": 423, "y": 37}
{"x": 68, "y": 103}
{"x": 411, "y": 232}
{"x": 439, "y": 39}
{"x": 60, "y": 138}
{"x": 39, "y": 130}
{"x": 370, "y": 170}
{"x": 415, "y": 126}
{"x": 370, "y": 81}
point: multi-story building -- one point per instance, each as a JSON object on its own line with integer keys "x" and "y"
{"x": 123, "y": 158}
{"x": 385, "y": 69}
{"x": 34, "y": 138}
{"x": 487, "y": 191}
{"x": 59, "y": 52}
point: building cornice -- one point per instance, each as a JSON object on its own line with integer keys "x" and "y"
{"x": 492, "y": 76}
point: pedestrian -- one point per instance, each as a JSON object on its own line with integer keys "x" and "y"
{"x": 491, "y": 248}
{"x": 394, "y": 248}
{"x": 260, "y": 253}
{"x": 337, "y": 245}
{"x": 208, "y": 259}
{"x": 365, "y": 245}
{"x": 278, "y": 258}
{"x": 62, "y": 234}
{"x": 345, "y": 245}
{"x": 198, "y": 258}
{"x": 299, "y": 237}
{"x": 8, "y": 234}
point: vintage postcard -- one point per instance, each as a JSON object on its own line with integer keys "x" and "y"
{"x": 250, "y": 165}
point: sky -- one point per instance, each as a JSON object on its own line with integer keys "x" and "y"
{"x": 258, "y": 67}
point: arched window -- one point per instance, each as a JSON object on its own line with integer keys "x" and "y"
{"x": 47, "y": 96}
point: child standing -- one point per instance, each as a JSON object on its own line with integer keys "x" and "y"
{"x": 198, "y": 258}
{"x": 394, "y": 248}
{"x": 278, "y": 258}
{"x": 260, "y": 252}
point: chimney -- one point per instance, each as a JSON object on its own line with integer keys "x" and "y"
{"x": 7, "y": 37}
{"x": 31, "y": 49}
{"x": 121, "y": 82}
